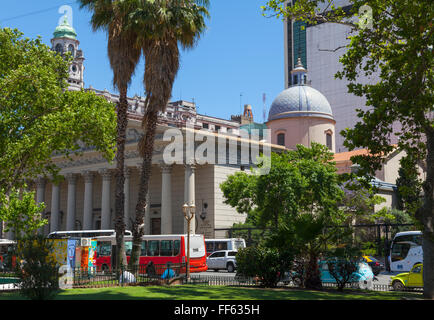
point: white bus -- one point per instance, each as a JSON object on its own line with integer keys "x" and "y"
{"x": 405, "y": 251}
{"x": 84, "y": 234}
{"x": 224, "y": 244}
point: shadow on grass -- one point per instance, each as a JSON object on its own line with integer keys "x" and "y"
{"x": 204, "y": 292}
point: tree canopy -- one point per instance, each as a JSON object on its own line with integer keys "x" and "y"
{"x": 392, "y": 39}
{"x": 39, "y": 117}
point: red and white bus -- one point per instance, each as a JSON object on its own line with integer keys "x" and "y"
{"x": 159, "y": 249}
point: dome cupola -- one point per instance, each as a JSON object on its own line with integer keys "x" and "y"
{"x": 301, "y": 114}
{"x": 64, "y": 30}
{"x": 300, "y": 99}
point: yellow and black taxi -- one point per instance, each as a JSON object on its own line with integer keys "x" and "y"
{"x": 408, "y": 280}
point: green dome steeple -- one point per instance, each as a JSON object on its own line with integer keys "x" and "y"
{"x": 65, "y": 30}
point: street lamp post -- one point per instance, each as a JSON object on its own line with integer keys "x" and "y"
{"x": 188, "y": 211}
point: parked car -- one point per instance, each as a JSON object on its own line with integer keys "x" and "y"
{"x": 375, "y": 265}
{"x": 362, "y": 278}
{"x": 408, "y": 280}
{"x": 222, "y": 260}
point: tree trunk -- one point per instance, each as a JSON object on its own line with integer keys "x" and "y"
{"x": 122, "y": 122}
{"x": 313, "y": 278}
{"x": 426, "y": 216}
{"x": 161, "y": 67}
{"x": 148, "y": 147}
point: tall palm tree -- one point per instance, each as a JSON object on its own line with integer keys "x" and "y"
{"x": 160, "y": 25}
{"x": 124, "y": 55}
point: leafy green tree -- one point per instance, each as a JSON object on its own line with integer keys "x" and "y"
{"x": 37, "y": 268}
{"x": 21, "y": 213}
{"x": 297, "y": 199}
{"x": 396, "y": 43}
{"x": 409, "y": 187}
{"x": 40, "y": 120}
{"x": 266, "y": 264}
{"x": 342, "y": 263}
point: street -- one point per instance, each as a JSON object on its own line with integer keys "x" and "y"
{"x": 383, "y": 277}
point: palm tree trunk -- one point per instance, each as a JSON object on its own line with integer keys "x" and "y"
{"x": 161, "y": 67}
{"x": 147, "y": 147}
{"x": 122, "y": 122}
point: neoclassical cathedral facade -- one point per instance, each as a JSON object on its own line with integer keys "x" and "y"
{"x": 84, "y": 200}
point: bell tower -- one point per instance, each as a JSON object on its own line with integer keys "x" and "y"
{"x": 65, "y": 40}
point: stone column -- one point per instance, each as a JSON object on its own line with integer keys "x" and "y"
{"x": 189, "y": 193}
{"x": 55, "y": 207}
{"x": 127, "y": 175}
{"x": 40, "y": 190}
{"x": 105, "y": 199}
{"x": 70, "y": 209}
{"x": 88, "y": 200}
{"x": 166, "y": 199}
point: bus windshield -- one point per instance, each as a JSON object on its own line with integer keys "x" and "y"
{"x": 400, "y": 250}
{"x": 405, "y": 251}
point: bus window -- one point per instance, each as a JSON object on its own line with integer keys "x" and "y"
{"x": 415, "y": 239}
{"x": 143, "y": 248}
{"x": 166, "y": 248}
{"x": 128, "y": 247}
{"x": 238, "y": 244}
{"x": 399, "y": 251}
{"x": 104, "y": 249}
{"x": 153, "y": 248}
{"x": 221, "y": 246}
{"x": 209, "y": 246}
{"x": 176, "y": 247}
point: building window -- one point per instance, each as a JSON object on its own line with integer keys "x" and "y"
{"x": 329, "y": 143}
{"x": 59, "y": 48}
{"x": 281, "y": 139}
{"x": 72, "y": 50}
{"x": 217, "y": 128}
{"x": 205, "y": 125}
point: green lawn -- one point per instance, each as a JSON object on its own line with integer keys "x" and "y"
{"x": 203, "y": 292}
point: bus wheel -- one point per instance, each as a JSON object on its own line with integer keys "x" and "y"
{"x": 230, "y": 267}
{"x": 397, "y": 286}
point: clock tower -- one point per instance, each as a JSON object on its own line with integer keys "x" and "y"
{"x": 65, "y": 40}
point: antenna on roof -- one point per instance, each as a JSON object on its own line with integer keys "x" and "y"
{"x": 264, "y": 111}
{"x": 241, "y": 95}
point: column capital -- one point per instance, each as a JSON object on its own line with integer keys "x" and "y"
{"x": 127, "y": 172}
{"x": 88, "y": 176}
{"x": 40, "y": 182}
{"x": 106, "y": 174}
{"x": 165, "y": 168}
{"x": 139, "y": 167}
{"x": 191, "y": 166}
{"x": 72, "y": 178}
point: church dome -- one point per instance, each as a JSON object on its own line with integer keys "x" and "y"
{"x": 64, "y": 30}
{"x": 300, "y": 100}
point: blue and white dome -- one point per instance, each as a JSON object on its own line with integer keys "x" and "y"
{"x": 300, "y": 100}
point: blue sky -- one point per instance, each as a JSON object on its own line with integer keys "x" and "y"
{"x": 241, "y": 53}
